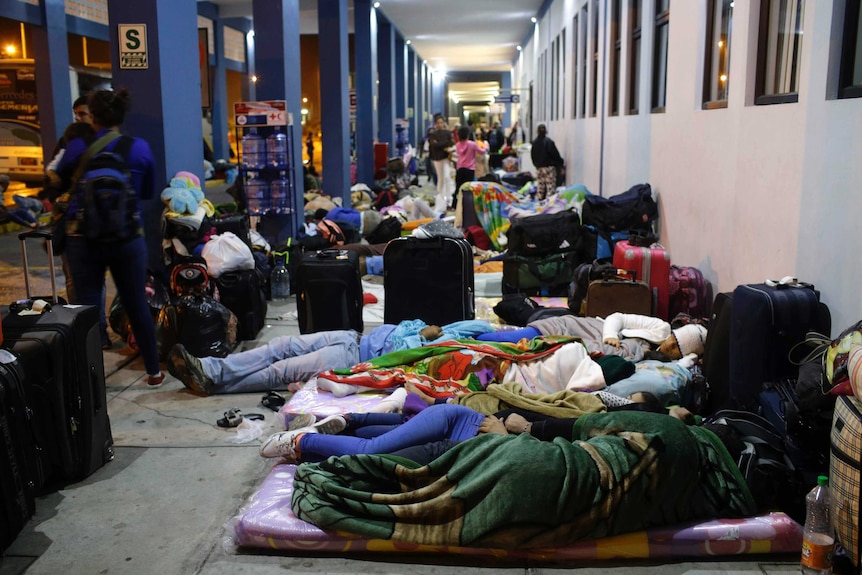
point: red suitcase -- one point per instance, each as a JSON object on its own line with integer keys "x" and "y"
{"x": 652, "y": 265}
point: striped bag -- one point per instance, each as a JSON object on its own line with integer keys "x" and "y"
{"x": 845, "y": 474}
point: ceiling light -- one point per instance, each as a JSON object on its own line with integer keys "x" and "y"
{"x": 377, "y": 4}
{"x": 533, "y": 20}
{"x": 408, "y": 42}
{"x": 253, "y": 78}
{"x": 518, "y": 48}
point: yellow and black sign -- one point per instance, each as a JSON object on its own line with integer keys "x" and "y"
{"x": 133, "y": 46}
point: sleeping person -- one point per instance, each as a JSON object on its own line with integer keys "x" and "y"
{"x": 627, "y": 335}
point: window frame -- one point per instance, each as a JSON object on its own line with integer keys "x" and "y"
{"x": 712, "y": 9}
{"x": 616, "y": 57}
{"x": 851, "y": 38}
{"x": 763, "y": 48}
{"x": 635, "y": 53}
{"x": 594, "y": 58}
{"x": 659, "y": 73}
{"x": 585, "y": 58}
{"x": 575, "y": 65}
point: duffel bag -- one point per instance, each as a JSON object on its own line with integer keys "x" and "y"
{"x": 633, "y": 209}
{"x": 544, "y": 234}
{"x": 542, "y": 271}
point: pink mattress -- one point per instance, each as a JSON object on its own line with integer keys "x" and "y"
{"x": 267, "y": 522}
{"x": 309, "y": 399}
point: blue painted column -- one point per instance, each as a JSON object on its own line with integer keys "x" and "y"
{"x": 221, "y": 108}
{"x": 277, "y": 65}
{"x": 53, "y": 85}
{"x": 438, "y": 95}
{"x": 506, "y": 88}
{"x": 166, "y": 96}
{"x": 413, "y": 105}
{"x": 386, "y": 78}
{"x": 426, "y": 101}
{"x": 365, "y": 73}
{"x": 400, "y": 77}
{"x": 334, "y": 97}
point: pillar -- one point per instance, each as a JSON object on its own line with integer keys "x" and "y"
{"x": 386, "y": 78}
{"x": 334, "y": 97}
{"x": 365, "y": 73}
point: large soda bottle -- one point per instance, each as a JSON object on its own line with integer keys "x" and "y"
{"x": 253, "y": 151}
{"x": 818, "y": 538}
{"x": 276, "y": 149}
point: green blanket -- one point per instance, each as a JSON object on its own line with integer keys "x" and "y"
{"x": 626, "y": 471}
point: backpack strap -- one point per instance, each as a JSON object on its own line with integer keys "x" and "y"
{"x": 124, "y": 147}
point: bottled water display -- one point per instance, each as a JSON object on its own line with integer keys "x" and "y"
{"x": 276, "y": 149}
{"x": 253, "y": 151}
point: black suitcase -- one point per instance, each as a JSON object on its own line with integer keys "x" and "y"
{"x": 19, "y": 471}
{"x": 716, "y": 352}
{"x": 238, "y": 224}
{"x": 329, "y": 291}
{"x": 767, "y": 322}
{"x": 428, "y": 279}
{"x": 242, "y": 293}
{"x": 60, "y": 351}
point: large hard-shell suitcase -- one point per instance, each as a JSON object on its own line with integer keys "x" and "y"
{"x": 329, "y": 291}
{"x": 610, "y": 295}
{"x": 845, "y": 474}
{"x": 60, "y": 351}
{"x": 652, "y": 265}
{"x": 428, "y": 279}
{"x": 767, "y": 322}
{"x": 242, "y": 293}
{"x": 19, "y": 470}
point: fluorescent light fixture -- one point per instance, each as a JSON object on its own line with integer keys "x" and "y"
{"x": 304, "y": 111}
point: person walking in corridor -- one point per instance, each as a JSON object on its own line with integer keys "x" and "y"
{"x": 547, "y": 160}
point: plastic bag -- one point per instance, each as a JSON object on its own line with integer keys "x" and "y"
{"x": 248, "y": 430}
{"x": 227, "y": 253}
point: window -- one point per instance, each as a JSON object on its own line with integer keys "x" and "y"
{"x": 594, "y": 57}
{"x": 851, "y": 55}
{"x": 779, "y": 51}
{"x": 634, "y": 55}
{"x": 616, "y": 47}
{"x": 719, "y": 26}
{"x": 659, "y": 68}
{"x": 576, "y": 66}
{"x": 562, "y": 58}
{"x": 585, "y": 58}
{"x": 552, "y": 92}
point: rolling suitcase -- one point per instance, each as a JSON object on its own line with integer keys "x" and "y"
{"x": 716, "y": 352}
{"x": 845, "y": 474}
{"x": 19, "y": 471}
{"x": 652, "y": 265}
{"x": 329, "y": 291}
{"x": 60, "y": 351}
{"x": 688, "y": 292}
{"x": 767, "y": 321}
{"x": 618, "y": 294}
{"x": 242, "y": 293}
{"x": 428, "y": 279}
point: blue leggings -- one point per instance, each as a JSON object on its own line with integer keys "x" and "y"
{"x": 513, "y": 336}
{"x": 437, "y": 423}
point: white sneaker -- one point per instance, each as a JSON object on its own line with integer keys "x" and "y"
{"x": 283, "y": 444}
{"x": 331, "y": 425}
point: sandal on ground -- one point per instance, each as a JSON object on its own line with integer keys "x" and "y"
{"x": 254, "y": 416}
{"x": 232, "y": 418}
{"x": 272, "y": 400}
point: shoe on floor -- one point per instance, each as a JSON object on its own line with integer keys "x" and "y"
{"x": 154, "y": 381}
{"x": 188, "y": 369}
{"x": 331, "y": 425}
{"x": 301, "y": 420}
{"x": 283, "y": 444}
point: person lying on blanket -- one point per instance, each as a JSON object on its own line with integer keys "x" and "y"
{"x": 609, "y": 473}
{"x": 287, "y": 359}
{"x": 628, "y": 335}
{"x": 429, "y": 433}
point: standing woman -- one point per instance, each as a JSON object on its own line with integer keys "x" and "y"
{"x": 126, "y": 259}
{"x": 439, "y": 144}
{"x": 547, "y": 160}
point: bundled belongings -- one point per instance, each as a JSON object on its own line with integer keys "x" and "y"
{"x": 616, "y": 217}
{"x": 203, "y": 325}
{"x": 542, "y": 253}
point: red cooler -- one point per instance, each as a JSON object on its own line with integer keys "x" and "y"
{"x": 652, "y": 266}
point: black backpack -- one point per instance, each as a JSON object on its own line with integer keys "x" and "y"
{"x": 634, "y": 209}
{"x": 106, "y": 194}
{"x": 389, "y": 228}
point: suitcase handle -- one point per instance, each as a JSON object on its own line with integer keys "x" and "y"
{"x": 49, "y": 238}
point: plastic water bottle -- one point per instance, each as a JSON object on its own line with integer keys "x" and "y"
{"x": 279, "y": 279}
{"x": 278, "y": 195}
{"x": 818, "y": 537}
{"x": 257, "y": 196}
{"x": 276, "y": 149}
{"x": 253, "y": 151}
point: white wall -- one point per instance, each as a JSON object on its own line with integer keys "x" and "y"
{"x": 746, "y": 192}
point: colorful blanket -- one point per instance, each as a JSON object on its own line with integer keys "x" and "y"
{"x": 625, "y": 471}
{"x": 447, "y": 368}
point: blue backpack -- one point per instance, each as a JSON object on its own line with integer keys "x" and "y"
{"x": 107, "y": 196}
